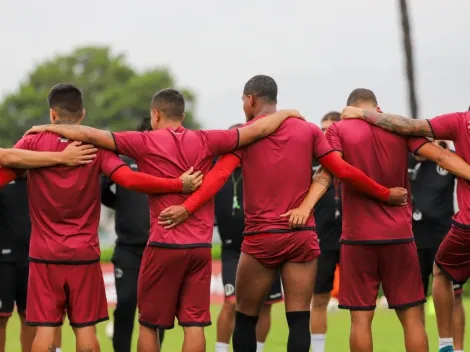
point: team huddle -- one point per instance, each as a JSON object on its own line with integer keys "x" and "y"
{"x": 367, "y": 151}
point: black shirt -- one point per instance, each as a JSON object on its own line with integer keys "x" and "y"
{"x": 15, "y": 223}
{"x": 132, "y": 211}
{"x": 432, "y": 191}
{"x": 229, "y": 214}
{"x": 327, "y": 213}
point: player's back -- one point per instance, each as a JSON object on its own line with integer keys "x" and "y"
{"x": 64, "y": 204}
{"x": 277, "y": 173}
{"x": 382, "y": 156}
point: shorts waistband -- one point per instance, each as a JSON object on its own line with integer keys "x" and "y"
{"x": 280, "y": 231}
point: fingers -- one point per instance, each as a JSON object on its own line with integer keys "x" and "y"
{"x": 164, "y": 213}
{"x": 189, "y": 172}
{"x": 286, "y": 214}
{"x": 196, "y": 174}
{"x": 75, "y": 143}
{"x": 87, "y": 148}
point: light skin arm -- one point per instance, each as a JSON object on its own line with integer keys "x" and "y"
{"x": 320, "y": 183}
{"x": 445, "y": 159}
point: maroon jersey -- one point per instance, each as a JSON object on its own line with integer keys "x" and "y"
{"x": 169, "y": 153}
{"x": 383, "y": 156}
{"x": 277, "y": 173}
{"x": 64, "y": 203}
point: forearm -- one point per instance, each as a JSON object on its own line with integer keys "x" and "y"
{"x": 355, "y": 177}
{"x": 26, "y": 159}
{"x": 320, "y": 183}
{"x": 261, "y": 128}
{"x": 454, "y": 164}
{"x": 144, "y": 183}
{"x": 398, "y": 124}
{"x": 99, "y": 138}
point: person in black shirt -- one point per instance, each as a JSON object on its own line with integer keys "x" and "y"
{"x": 230, "y": 221}
{"x": 15, "y": 231}
{"x": 327, "y": 213}
{"x": 433, "y": 207}
{"x": 132, "y": 225}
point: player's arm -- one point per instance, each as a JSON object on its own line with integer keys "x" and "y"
{"x": 75, "y": 154}
{"x": 264, "y": 127}
{"x": 144, "y": 183}
{"x": 108, "y": 197}
{"x": 213, "y": 182}
{"x": 100, "y": 138}
{"x": 320, "y": 183}
{"x": 445, "y": 159}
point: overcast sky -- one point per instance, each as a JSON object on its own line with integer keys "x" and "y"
{"x": 318, "y": 51}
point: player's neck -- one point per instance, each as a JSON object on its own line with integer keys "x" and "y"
{"x": 266, "y": 110}
{"x": 170, "y": 124}
{"x": 65, "y": 122}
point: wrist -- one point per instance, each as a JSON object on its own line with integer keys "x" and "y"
{"x": 61, "y": 158}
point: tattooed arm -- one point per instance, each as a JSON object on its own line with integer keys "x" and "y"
{"x": 392, "y": 123}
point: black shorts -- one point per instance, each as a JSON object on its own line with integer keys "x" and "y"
{"x": 229, "y": 273}
{"x": 426, "y": 262}
{"x": 14, "y": 286}
{"x": 327, "y": 263}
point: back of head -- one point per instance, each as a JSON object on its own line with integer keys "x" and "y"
{"x": 170, "y": 103}
{"x": 329, "y": 118}
{"x": 66, "y": 103}
{"x": 262, "y": 87}
{"x": 362, "y": 98}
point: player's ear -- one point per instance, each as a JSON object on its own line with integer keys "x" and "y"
{"x": 83, "y": 116}
{"x": 379, "y": 109}
{"x": 251, "y": 100}
{"x": 184, "y": 115}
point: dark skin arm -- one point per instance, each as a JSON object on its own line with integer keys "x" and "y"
{"x": 389, "y": 122}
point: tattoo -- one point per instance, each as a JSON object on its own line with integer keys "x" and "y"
{"x": 51, "y": 348}
{"x": 324, "y": 181}
{"x": 399, "y": 124}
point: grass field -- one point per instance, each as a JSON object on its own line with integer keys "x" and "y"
{"x": 388, "y": 336}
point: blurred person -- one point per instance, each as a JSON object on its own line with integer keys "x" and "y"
{"x": 452, "y": 262}
{"x": 175, "y": 276}
{"x": 433, "y": 207}
{"x": 327, "y": 214}
{"x": 132, "y": 225}
{"x": 277, "y": 174}
{"x": 230, "y": 220}
{"x": 64, "y": 270}
{"x": 374, "y": 235}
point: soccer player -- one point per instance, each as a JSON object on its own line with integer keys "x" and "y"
{"x": 175, "y": 276}
{"x": 433, "y": 207}
{"x": 64, "y": 271}
{"x": 452, "y": 261}
{"x": 277, "y": 173}
{"x": 230, "y": 220}
{"x": 327, "y": 214}
{"x": 132, "y": 224}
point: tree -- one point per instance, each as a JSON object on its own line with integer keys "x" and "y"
{"x": 116, "y": 96}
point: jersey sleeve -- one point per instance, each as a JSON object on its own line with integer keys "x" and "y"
{"x": 414, "y": 144}
{"x": 132, "y": 144}
{"x": 333, "y": 138}
{"x": 221, "y": 141}
{"x": 447, "y": 126}
{"x": 321, "y": 147}
{"x": 110, "y": 162}
{"x": 25, "y": 143}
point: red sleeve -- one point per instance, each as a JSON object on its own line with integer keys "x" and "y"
{"x": 213, "y": 182}
{"x": 415, "y": 143}
{"x": 333, "y": 138}
{"x": 321, "y": 146}
{"x": 110, "y": 162}
{"x": 447, "y": 126}
{"x": 349, "y": 174}
{"x": 25, "y": 142}
{"x": 221, "y": 141}
{"x": 6, "y": 176}
{"x": 131, "y": 144}
{"x": 144, "y": 183}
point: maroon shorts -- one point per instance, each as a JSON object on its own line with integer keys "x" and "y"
{"x": 274, "y": 249}
{"x": 365, "y": 267}
{"x": 175, "y": 283}
{"x": 54, "y": 289}
{"x": 453, "y": 256}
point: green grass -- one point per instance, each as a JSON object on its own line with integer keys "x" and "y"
{"x": 388, "y": 335}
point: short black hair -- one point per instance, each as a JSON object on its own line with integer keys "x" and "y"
{"x": 361, "y": 94}
{"x": 144, "y": 125}
{"x": 170, "y": 102}
{"x": 331, "y": 116}
{"x": 66, "y": 99}
{"x": 263, "y": 87}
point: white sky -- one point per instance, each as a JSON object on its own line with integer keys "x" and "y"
{"x": 318, "y": 51}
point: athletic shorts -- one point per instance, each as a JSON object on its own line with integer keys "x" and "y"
{"x": 174, "y": 282}
{"x": 274, "y": 249}
{"x": 327, "y": 262}
{"x": 229, "y": 273}
{"x": 14, "y": 283}
{"x": 54, "y": 289}
{"x": 426, "y": 262}
{"x": 453, "y": 255}
{"x": 365, "y": 267}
